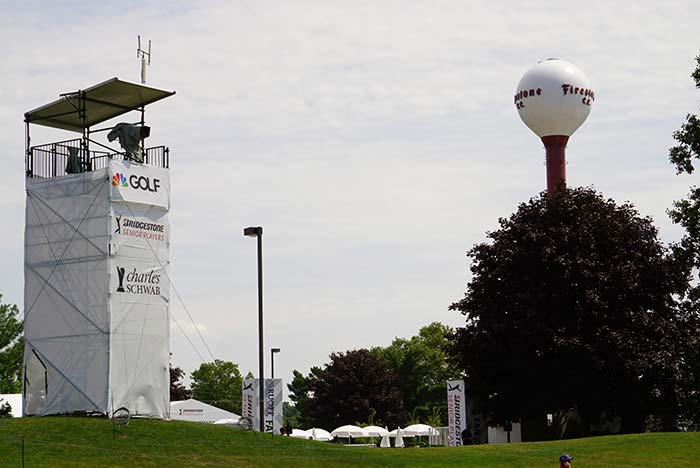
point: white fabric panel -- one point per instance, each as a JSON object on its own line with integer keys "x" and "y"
{"x": 66, "y": 314}
{"x": 97, "y": 292}
{"x": 139, "y": 289}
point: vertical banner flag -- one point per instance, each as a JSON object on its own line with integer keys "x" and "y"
{"x": 248, "y": 409}
{"x": 272, "y": 404}
{"x": 456, "y": 412}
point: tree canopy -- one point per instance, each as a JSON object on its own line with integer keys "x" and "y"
{"x": 300, "y": 392}
{"x": 686, "y": 212}
{"x": 423, "y": 364}
{"x": 218, "y": 383}
{"x": 11, "y": 348}
{"x": 178, "y": 391}
{"x": 572, "y": 303}
{"x": 356, "y": 386}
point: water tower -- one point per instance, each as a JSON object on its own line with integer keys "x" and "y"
{"x": 96, "y": 294}
{"x": 554, "y": 98}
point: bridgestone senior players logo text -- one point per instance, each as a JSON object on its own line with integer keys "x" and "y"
{"x": 143, "y": 230}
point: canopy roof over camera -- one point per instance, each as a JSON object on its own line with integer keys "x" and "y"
{"x": 79, "y": 110}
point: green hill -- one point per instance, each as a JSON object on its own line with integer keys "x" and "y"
{"x": 88, "y": 442}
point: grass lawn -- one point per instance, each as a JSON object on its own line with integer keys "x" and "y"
{"x": 87, "y": 442}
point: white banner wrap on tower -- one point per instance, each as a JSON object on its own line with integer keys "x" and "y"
{"x": 97, "y": 292}
{"x": 139, "y": 288}
{"x": 273, "y": 404}
{"x": 456, "y": 412}
{"x": 66, "y": 315}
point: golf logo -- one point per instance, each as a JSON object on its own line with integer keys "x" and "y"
{"x": 134, "y": 282}
{"x": 136, "y": 182}
{"x": 119, "y": 180}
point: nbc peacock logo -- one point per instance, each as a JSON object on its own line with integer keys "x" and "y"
{"x": 119, "y": 180}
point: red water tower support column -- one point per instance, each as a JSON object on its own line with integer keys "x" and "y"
{"x": 553, "y": 99}
{"x": 555, "y": 147}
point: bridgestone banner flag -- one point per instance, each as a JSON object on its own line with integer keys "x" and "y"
{"x": 456, "y": 412}
{"x": 272, "y": 402}
{"x": 248, "y": 402}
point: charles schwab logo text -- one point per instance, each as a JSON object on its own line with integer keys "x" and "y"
{"x": 138, "y": 283}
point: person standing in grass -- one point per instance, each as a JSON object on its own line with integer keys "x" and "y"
{"x": 565, "y": 461}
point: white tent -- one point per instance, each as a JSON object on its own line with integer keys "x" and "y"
{"x": 15, "y": 402}
{"x": 197, "y": 411}
{"x": 300, "y": 434}
{"x": 375, "y": 431}
{"x": 320, "y": 435}
{"x": 349, "y": 431}
{"x": 385, "y": 441}
{"x": 227, "y": 422}
{"x": 96, "y": 296}
{"x": 420, "y": 430}
{"x": 399, "y": 438}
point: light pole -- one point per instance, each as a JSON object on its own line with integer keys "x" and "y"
{"x": 273, "y": 351}
{"x": 257, "y": 231}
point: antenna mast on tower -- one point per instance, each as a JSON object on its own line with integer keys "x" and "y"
{"x": 140, "y": 53}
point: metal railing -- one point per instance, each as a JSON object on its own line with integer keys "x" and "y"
{"x": 70, "y": 157}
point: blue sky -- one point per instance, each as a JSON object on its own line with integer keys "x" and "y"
{"x": 375, "y": 141}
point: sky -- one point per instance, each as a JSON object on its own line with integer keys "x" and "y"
{"x": 376, "y": 142}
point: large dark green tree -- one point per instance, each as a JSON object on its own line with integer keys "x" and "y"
{"x": 423, "y": 364}
{"x": 178, "y": 391}
{"x": 572, "y": 303}
{"x": 11, "y": 348}
{"x": 355, "y": 387}
{"x": 686, "y": 212}
{"x": 220, "y": 384}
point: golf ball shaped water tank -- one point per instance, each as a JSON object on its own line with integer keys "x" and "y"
{"x": 554, "y": 97}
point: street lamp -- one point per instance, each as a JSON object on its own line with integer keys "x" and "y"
{"x": 272, "y": 361}
{"x": 257, "y": 231}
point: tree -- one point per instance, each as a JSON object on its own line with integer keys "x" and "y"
{"x": 353, "y": 386}
{"x": 686, "y": 212}
{"x": 11, "y": 348}
{"x": 218, "y": 383}
{"x": 300, "y": 392}
{"x": 572, "y": 304}
{"x": 178, "y": 391}
{"x": 290, "y": 414}
{"x": 423, "y": 364}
